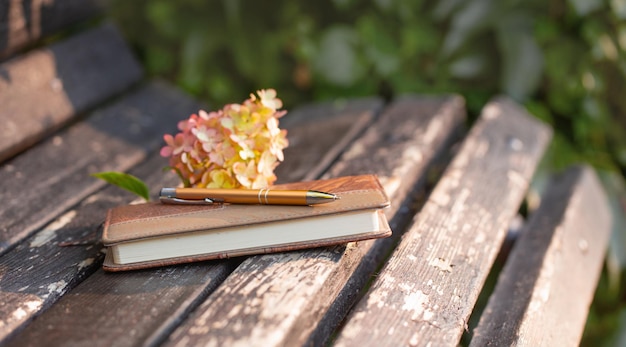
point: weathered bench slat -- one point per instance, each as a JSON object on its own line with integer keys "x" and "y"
{"x": 46, "y": 88}
{"x": 152, "y": 302}
{"x": 50, "y": 178}
{"x": 320, "y": 123}
{"x": 425, "y": 293}
{"x": 37, "y": 186}
{"x": 105, "y": 307}
{"x": 25, "y": 22}
{"x": 279, "y": 299}
{"x": 545, "y": 289}
{"x": 38, "y": 271}
{"x": 42, "y": 268}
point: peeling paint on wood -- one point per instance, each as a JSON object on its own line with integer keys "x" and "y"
{"x": 552, "y": 271}
{"x": 40, "y": 269}
{"x": 58, "y": 176}
{"x": 49, "y": 232}
{"x": 445, "y": 256}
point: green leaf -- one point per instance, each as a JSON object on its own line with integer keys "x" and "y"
{"x": 125, "y": 181}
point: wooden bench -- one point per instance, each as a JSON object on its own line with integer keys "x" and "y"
{"x": 81, "y": 105}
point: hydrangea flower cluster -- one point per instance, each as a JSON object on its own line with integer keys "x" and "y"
{"x": 238, "y": 146}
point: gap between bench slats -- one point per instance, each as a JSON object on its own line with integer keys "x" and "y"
{"x": 278, "y": 299}
{"x": 44, "y": 89}
{"x": 54, "y": 176}
{"x": 25, "y": 22}
{"x": 426, "y": 291}
{"x": 544, "y": 291}
{"x": 151, "y": 302}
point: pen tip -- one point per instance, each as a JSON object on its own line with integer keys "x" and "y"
{"x": 315, "y": 197}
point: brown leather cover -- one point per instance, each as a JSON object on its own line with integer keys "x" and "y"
{"x": 142, "y": 221}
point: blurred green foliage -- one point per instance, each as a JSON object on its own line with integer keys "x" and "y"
{"x": 565, "y": 60}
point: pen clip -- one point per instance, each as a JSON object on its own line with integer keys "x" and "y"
{"x": 179, "y": 201}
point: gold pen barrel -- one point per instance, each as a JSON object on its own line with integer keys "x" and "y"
{"x": 245, "y": 196}
{"x": 283, "y": 197}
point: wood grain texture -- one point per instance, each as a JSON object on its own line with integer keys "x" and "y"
{"x": 45, "y": 89}
{"x": 320, "y": 123}
{"x": 23, "y": 22}
{"x": 544, "y": 291}
{"x": 278, "y": 299}
{"x": 38, "y": 271}
{"x": 426, "y": 291}
{"x": 140, "y": 306}
{"x": 47, "y": 180}
{"x": 104, "y": 307}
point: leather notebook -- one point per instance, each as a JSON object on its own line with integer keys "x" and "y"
{"x": 155, "y": 234}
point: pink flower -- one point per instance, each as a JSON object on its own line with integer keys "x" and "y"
{"x": 237, "y": 146}
{"x": 245, "y": 173}
{"x": 268, "y": 99}
{"x": 209, "y": 137}
{"x": 176, "y": 145}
